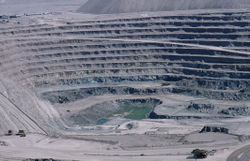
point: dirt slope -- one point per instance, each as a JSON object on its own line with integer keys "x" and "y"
{"x": 123, "y": 6}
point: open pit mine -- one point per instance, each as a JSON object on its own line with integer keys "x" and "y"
{"x": 125, "y": 81}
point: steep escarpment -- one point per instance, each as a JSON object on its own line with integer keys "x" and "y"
{"x": 205, "y": 55}
{"x": 124, "y": 6}
{"x": 83, "y": 67}
{"x": 20, "y": 109}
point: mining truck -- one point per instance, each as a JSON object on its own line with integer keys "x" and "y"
{"x": 21, "y": 133}
{"x": 10, "y": 132}
{"x": 200, "y": 154}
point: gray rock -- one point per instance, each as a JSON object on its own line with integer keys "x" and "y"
{"x": 2, "y": 143}
{"x": 234, "y": 111}
{"x": 201, "y": 106}
{"x": 43, "y": 159}
{"x": 214, "y": 129}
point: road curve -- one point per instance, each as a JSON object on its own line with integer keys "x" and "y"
{"x": 242, "y": 154}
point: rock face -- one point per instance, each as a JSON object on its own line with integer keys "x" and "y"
{"x": 214, "y": 129}
{"x": 201, "y": 106}
{"x": 235, "y": 111}
{"x": 94, "y": 113}
{"x": 199, "y": 54}
{"x": 154, "y": 115}
{"x": 21, "y": 109}
{"x": 67, "y": 69}
{"x": 122, "y": 6}
{"x": 50, "y": 159}
{"x": 106, "y": 109}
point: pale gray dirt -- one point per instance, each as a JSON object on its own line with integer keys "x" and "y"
{"x": 62, "y": 71}
{"x": 123, "y": 6}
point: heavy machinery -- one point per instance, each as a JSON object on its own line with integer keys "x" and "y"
{"x": 21, "y": 133}
{"x": 200, "y": 153}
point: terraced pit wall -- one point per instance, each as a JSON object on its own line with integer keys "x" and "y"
{"x": 205, "y": 55}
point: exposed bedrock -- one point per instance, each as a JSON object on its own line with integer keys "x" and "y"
{"x": 201, "y": 106}
{"x": 213, "y": 89}
{"x": 242, "y": 110}
{"x": 73, "y": 95}
{"x": 106, "y": 109}
{"x": 43, "y": 159}
{"x": 154, "y": 115}
{"x": 214, "y": 129}
{"x": 92, "y": 114}
{"x": 196, "y": 54}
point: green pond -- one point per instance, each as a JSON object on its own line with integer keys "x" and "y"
{"x": 135, "y": 112}
{"x": 129, "y": 112}
{"x": 101, "y": 121}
